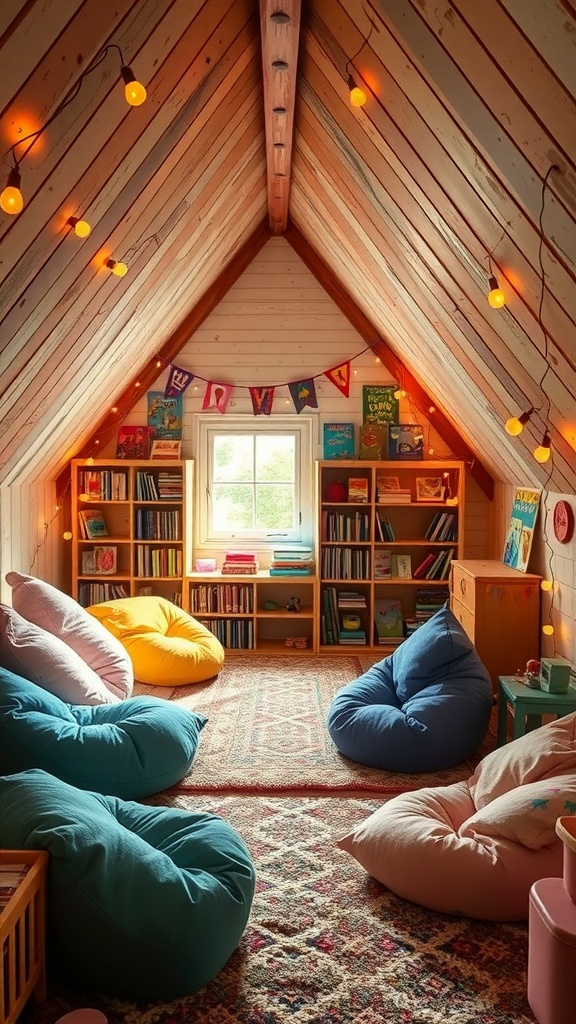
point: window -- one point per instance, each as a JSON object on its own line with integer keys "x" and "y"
{"x": 254, "y": 481}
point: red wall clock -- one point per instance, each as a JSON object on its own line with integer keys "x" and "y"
{"x": 563, "y": 522}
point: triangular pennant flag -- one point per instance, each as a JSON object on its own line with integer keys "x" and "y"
{"x": 340, "y": 376}
{"x": 262, "y": 399}
{"x": 303, "y": 393}
{"x": 217, "y": 396}
{"x": 178, "y": 381}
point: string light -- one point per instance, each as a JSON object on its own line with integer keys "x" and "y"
{"x": 542, "y": 452}
{"x": 546, "y": 585}
{"x": 548, "y": 629}
{"x": 117, "y": 268}
{"x": 11, "y": 199}
{"x": 496, "y": 296}
{"x": 358, "y": 97}
{"x": 515, "y": 425}
{"x": 81, "y": 227}
{"x": 67, "y": 535}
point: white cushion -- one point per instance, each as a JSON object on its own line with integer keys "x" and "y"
{"x": 63, "y": 617}
{"x": 44, "y": 659}
{"x": 527, "y": 814}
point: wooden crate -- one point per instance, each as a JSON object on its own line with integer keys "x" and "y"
{"x": 22, "y": 935}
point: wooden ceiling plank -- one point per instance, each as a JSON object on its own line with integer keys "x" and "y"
{"x": 400, "y": 371}
{"x": 280, "y": 33}
{"x": 168, "y": 157}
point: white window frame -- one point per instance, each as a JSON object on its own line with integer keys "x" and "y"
{"x": 305, "y": 429}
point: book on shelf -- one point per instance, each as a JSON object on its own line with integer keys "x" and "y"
{"x": 405, "y": 441}
{"x": 133, "y": 442}
{"x": 388, "y": 619}
{"x": 429, "y": 488}
{"x": 384, "y": 528}
{"x": 338, "y": 441}
{"x": 358, "y": 489}
{"x": 382, "y": 563}
{"x": 275, "y": 570}
{"x": 351, "y": 599}
{"x": 240, "y": 568}
{"x": 100, "y": 561}
{"x": 402, "y": 566}
{"x": 92, "y": 524}
{"x": 386, "y": 483}
{"x": 241, "y": 556}
{"x": 374, "y": 441}
{"x": 400, "y": 497}
{"x": 423, "y": 566}
{"x": 165, "y": 448}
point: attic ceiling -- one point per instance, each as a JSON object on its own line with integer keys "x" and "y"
{"x": 460, "y": 166}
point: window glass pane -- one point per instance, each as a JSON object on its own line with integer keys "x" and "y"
{"x": 233, "y": 507}
{"x": 233, "y": 457}
{"x": 274, "y": 506}
{"x": 275, "y": 457}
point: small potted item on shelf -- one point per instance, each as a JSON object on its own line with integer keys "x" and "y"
{"x": 531, "y": 675}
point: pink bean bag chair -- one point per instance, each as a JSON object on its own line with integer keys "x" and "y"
{"x": 475, "y": 848}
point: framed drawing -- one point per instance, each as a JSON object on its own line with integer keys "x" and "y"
{"x": 387, "y": 483}
{"x": 429, "y": 488}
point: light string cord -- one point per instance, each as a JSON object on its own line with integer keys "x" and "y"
{"x": 94, "y": 64}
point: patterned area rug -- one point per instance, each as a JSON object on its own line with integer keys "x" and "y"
{"x": 267, "y": 732}
{"x": 326, "y": 944}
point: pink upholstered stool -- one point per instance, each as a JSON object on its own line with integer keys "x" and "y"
{"x": 551, "y": 952}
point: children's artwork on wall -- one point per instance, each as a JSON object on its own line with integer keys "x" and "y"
{"x": 379, "y": 404}
{"x": 216, "y": 396}
{"x": 521, "y": 530}
{"x": 339, "y": 441}
{"x": 133, "y": 442}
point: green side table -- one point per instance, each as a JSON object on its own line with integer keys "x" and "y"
{"x": 525, "y": 702}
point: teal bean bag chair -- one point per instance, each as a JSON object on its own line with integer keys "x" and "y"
{"x": 131, "y": 749}
{"x": 142, "y": 902}
{"x": 424, "y": 708}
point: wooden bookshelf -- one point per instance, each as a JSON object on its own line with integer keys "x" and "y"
{"x": 147, "y": 510}
{"x": 371, "y": 551}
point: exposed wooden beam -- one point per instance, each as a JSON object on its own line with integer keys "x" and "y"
{"x": 280, "y": 32}
{"x": 418, "y": 395}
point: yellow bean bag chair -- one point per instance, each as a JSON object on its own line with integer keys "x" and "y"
{"x": 166, "y": 645}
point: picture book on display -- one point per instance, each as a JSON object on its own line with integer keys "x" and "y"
{"x": 405, "y": 441}
{"x": 388, "y": 620}
{"x": 91, "y": 522}
{"x": 133, "y": 442}
{"x": 339, "y": 441}
{"x": 101, "y": 561}
{"x": 165, "y": 448}
{"x": 358, "y": 488}
{"x": 165, "y": 415}
{"x": 379, "y": 404}
{"x": 374, "y": 441}
{"x": 521, "y": 530}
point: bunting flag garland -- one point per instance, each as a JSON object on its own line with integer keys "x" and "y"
{"x": 262, "y": 399}
{"x": 217, "y": 396}
{"x": 178, "y": 381}
{"x": 303, "y": 393}
{"x": 340, "y": 376}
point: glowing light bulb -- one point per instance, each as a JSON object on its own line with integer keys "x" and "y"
{"x": 83, "y": 497}
{"x": 81, "y": 227}
{"x": 546, "y": 585}
{"x": 11, "y": 200}
{"x": 357, "y": 95}
{"x": 134, "y": 91}
{"x": 542, "y": 452}
{"x": 548, "y": 630}
{"x": 400, "y": 393}
{"x": 515, "y": 425}
{"x": 67, "y": 535}
{"x": 495, "y": 295}
{"x": 118, "y": 269}
{"x": 89, "y": 461}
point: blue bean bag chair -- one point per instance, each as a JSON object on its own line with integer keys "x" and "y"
{"x": 131, "y": 749}
{"x": 424, "y": 708}
{"x": 142, "y": 902}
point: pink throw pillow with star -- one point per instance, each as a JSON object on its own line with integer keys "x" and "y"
{"x": 527, "y": 814}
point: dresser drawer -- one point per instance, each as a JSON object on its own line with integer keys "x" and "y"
{"x": 463, "y": 587}
{"x": 465, "y": 617}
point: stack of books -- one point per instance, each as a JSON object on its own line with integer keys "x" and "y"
{"x": 351, "y": 599}
{"x": 399, "y": 497}
{"x": 292, "y": 561}
{"x": 241, "y": 563}
{"x": 429, "y": 601}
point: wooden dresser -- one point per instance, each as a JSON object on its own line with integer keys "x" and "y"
{"x": 499, "y": 608}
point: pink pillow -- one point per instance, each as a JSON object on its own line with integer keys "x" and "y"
{"x": 44, "y": 659}
{"x": 526, "y": 814}
{"x": 412, "y": 845}
{"x": 59, "y": 614}
{"x": 540, "y": 754}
